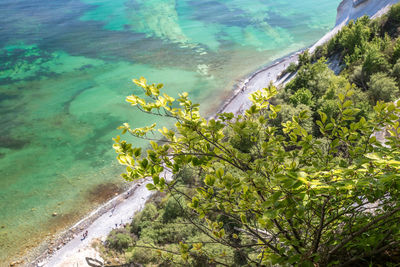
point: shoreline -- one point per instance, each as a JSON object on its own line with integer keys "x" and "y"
{"x": 244, "y": 88}
{"x": 69, "y": 250}
{"x": 48, "y": 249}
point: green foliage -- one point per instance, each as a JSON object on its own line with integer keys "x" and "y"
{"x": 119, "y": 240}
{"x": 375, "y": 61}
{"x": 287, "y": 112}
{"x": 144, "y": 256}
{"x": 393, "y": 20}
{"x": 149, "y": 213}
{"x": 314, "y": 77}
{"x": 396, "y": 50}
{"x": 293, "y": 67}
{"x": 304, "y": 58}
{"x": 396, "y": 71}
{"x": 162, "y": 233}
{"x": 187, "y": 175}
{"x": 382, "y": 87}
{"x": 354, "y": 38}
{"x": 290, "y": 197}
{"x": 302, "y": 96}
{"x": 298, "y": 179}
{"x": 172, "y": 210}
{"x": 359, "y": 77}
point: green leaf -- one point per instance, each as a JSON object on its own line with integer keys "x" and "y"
{"x": 209, "y": 180}
{"x": 219, "y": 173}
{"x": 150, "y": 187}
{"x": 156, "y": 179}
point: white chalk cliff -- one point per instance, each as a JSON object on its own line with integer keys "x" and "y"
{"x": 353, "y": 9}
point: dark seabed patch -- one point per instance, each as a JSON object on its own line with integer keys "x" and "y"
{"x": 210, "y": 11}
{"x": 103, "y": 192}
{"x": 7, "y": 141}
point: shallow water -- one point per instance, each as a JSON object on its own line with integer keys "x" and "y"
{"x": 66, "y": 67}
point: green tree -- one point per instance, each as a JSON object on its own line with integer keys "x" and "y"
{"x": 294, "y": 199}
{"x": 396, "y": 51}
{"x": 382, "y": 87}
{"x": 354, "y": 38}
{"x": 304, "y": 58}
{"x": 393, "y": 20}
{"x": 396, "y": 71}
{"x": 375, "y": 61}
{"x": 287, "y": 112}
{"x": 317, "y": 78}
{"x": 302, "y": 96}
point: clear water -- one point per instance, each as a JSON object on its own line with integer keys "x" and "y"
{"x": 66, "y": 67}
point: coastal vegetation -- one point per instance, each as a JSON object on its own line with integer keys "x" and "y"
{"x": 301, "y": 178}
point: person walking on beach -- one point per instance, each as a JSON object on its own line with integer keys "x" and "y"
{"x": 113, "y": 209}
{"x": 85, "y": 234}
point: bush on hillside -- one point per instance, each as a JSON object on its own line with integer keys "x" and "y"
{"x": 141, "y": 219}
{"x": 302, "y": 96}
{"x": 382, "y": 88}
{"x": 393, "y": 20}
{"x": 375, "y": 61}
{"x": 119, "y": 239}
{"x": 172, "y": 210}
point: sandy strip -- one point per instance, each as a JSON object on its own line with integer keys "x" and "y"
{"x": 239, "y": 101}
{"x": 70, "y": 251}
{"x": 121, "y": 209}
{"x": 98, "y": 224}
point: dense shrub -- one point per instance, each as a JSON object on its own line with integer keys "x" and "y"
{"x": 302, "y": 96}
{"x": 172, "y": 210}
{"x": 314, "y": 77}
{"x": 396, "y": 51}
{"x": 304, "y": 58}
{"x": 187, "y": 176}
{"x": 393, "y": 20}
{"x": 119, "y": 239}
{"x": 142, "y": 218}
{"x": 287, "y": 112}
{"x": 353, "y": 38}
{"x": 359, "y": 77}
{"x": 382, "y": 87}
{"x": 375, "y": 61}
{"x": 396, "y": 71}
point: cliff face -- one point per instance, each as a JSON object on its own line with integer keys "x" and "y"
{"x": 352, "y": 9}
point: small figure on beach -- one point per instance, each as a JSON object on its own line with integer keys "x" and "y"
{"x": 85, "y": 234}
{"x": 113, "y": 209}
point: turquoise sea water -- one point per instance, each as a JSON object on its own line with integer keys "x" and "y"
{"x": 66, "y": 67}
